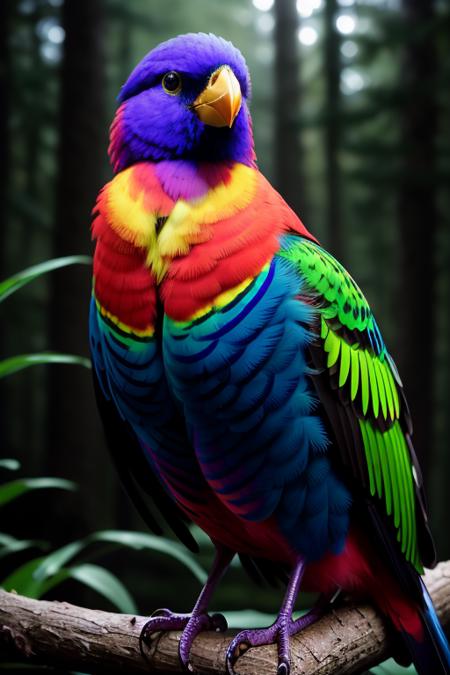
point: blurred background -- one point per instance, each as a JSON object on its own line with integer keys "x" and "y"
{"x": 351, "y": 111}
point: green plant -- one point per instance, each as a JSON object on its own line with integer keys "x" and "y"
{"x": 17, "y": 281}
{"x": 39, "y": 575}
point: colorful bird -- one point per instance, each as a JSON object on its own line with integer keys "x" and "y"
{"x": 241, "y": 375}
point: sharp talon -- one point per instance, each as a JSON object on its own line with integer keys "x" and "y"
{"x": 160, "y": 612}
{"x": 219, "y": 623}
{"x": 283, "y": 668}
{"x": 148, "y": 637}
{"x": 190, "y": 667}
{"x": 241, "y": 648}
{"x": 145, "y": 636}
{"x": 230, "y": 663}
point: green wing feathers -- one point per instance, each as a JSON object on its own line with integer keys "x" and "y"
{"x": 363, "y": 391}
{"x": 391, "y": 479}
{"x": 367, "y": 376}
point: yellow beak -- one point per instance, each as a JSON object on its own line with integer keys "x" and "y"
{"x": 220, "y": 101}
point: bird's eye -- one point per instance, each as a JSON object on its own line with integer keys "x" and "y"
{"x": 171, "y": 83}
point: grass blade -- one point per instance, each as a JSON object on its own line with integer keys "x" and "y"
{"x": 16, "y": 363}
{"x": 104, "y": 582}
{"x": 9, "y": 464}
{"x": 55, "y": 561}
{"x": 10, "y": 545}
{"x": 143, "y": 541}
{"x": 16, "y": 488}
{"x": 17, "y": 281}
{"x": 22, "y": 581}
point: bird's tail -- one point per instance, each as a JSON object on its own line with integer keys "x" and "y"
{"x": 424, "y": 638}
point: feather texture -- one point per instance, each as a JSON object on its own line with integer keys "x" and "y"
{"x": 239, "y": 363}
{"x": 352, "y": 356}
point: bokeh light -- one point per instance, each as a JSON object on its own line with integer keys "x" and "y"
{"x": 265, "y": 23}
{"x": 351, "y": 81}
{"x": 263, "y": 5}
{"x": 349, "y": 49}
{"x": 346, "y": 24}
{"x": 307, "y": 36}
{"x": 307, "y": 7}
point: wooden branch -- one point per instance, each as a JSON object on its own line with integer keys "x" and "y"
{"x": 347, "y": 640}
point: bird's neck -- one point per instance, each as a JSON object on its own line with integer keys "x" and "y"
{"x": 215, "y": 148}
{"x": 188, "y": 180}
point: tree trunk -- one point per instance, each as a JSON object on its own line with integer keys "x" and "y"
{"x": 288, "y": 148}
{"x": 4, "y": 122}
{"x": 76, "y": 448}
{"x": 418, "y": 222}
{"x": 5, "y": 169}
{"x": 332, "y": 67}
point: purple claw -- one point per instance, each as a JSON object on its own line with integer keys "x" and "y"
{"x": 163, "y": 611}
{"x": 161, "y": 620}
{"x": 284, "y": 668}
{"x": 197, "y": 624}
{"x": 279, "y": 633}
{"x": 192, "y": 625}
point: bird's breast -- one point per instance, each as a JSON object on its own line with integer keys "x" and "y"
{"x": 240, "y": 374}
{"x": 202, "y": 247}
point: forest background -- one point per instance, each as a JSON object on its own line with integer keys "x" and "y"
{"x": 351, "y": 111}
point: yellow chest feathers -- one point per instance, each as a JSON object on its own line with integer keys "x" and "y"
{"x": 145, "y": 216}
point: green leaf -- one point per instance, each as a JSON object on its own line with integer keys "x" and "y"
{"x": 36, "y": 577}
{"x": 105, "y": 583}
{"x": 9, "y": 545}
{"x": 390, "y": 667}
{"x": 14, "y": 283}
{"x": 52, "y": 563}
{"x": 9, "y": 464}
{"x": 143, "y": 541}
{"x": 201, "y": 537}
{"x": 16, "y": 488}
{"x": 251, "y": 618}
{"x": 16, "y": 363}
{"x": 55, "y": 561}
{"x": 248, "y": 618}
{"x": 22, "y": 581}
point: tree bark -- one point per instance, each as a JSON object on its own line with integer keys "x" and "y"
{"x": 288, "y": 148}
{"x": 347, "y": 640}
{"x": 418, "y": 222}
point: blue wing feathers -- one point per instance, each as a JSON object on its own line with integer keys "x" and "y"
{"x": 133, "y": 377}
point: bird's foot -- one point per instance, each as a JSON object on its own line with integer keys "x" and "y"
{"x": 278, "y": 633}
{"x": 190, "y": 624}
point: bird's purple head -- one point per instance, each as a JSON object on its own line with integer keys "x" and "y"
{"x": 187, "y": 99}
